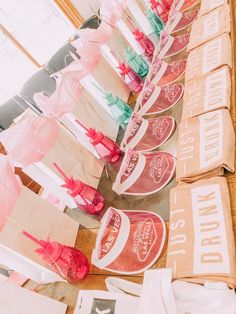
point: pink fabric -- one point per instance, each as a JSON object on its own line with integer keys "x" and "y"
{"x": 112, "y": 10}
{"x": 68, "y": 262}
{"x": 30, "y": 140}
{"x": 64, "y": 98}
{"x": 99, "y": 35}
{"x": 90, "y": 54}
{"x": 10, "y": 187}
{"x": 88, "y": 46}
{"x": 78, "y": 69}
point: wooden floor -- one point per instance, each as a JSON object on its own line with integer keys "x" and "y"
{"x": 86, "y": 238}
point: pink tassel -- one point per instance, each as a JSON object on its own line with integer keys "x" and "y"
{"x": 86, "y": 197}
{"x": 67, "y": 261}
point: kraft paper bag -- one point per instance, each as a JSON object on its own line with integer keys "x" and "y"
{"x": 16, "y": 300}
{"x": 38, "y": 217}
{"x": 207, "y": 93}
{"x": 209, "y": 57}
{"x": 209, "y": 5}
{"x": 210, "y": 26}
{"x": 102, "y": 73}
{"x": 107, "y": 78}
{"x": 201, "y": 243}
{"x": 72, "y": 157}
{"x": 92, "y": 115}
{"x": 206, "y": 146}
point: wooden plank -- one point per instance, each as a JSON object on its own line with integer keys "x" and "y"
{"x": 18, "y": 45}
{"x": 70, "y": 12}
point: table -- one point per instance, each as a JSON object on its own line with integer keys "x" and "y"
{"x": 68, "y": 293}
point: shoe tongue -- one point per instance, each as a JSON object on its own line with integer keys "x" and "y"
{"x": 129, "y": 164}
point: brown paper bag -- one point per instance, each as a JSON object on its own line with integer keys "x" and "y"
{"x": 72, "y": 157}
{"x": 120, "y": 39}
{"x": 108, "y": 79}
{"x": 209, "y": 57}
{"x": 201, "y": 243}
{"x": 206, "y": 146}
{"x": 210, "y": 26}
{"x": 36, "y": 216}
{"x": 91, "y": 115}
{"x": 207, "y": 93}
{"x": 209, "y": 5}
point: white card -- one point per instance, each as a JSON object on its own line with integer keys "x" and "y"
{"x": 16, "y": 300}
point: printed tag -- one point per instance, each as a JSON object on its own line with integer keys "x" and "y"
{"x": 211, "y": 138}
{"x": 211, "y": 55}
{"x": 210, "y": 242}
{"x": 103, "y": 306}
{"x": 211, "y": 24}
{"x": 216, "y": 90}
